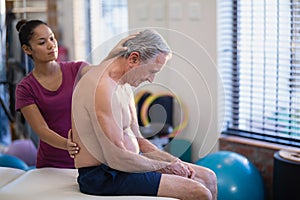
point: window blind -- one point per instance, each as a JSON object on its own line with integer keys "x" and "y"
{"x": 259, "y": 59}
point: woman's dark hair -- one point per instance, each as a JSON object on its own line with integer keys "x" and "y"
{"x": 25, "y": 29}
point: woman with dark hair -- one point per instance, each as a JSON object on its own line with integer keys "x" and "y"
{"x": 44, "y": 95}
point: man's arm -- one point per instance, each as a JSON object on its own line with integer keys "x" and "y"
{"x": 146, "y": 147}
{"x": 109, "y": 117}
{"x": 149, "y": 150}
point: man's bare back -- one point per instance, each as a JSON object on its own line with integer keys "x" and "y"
{"x": 122, "y": 96}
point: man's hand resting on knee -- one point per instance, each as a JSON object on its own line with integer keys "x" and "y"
{"x": 178, "y": 168}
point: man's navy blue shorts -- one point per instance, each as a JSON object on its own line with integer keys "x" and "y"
{"x": 103, "y": 180}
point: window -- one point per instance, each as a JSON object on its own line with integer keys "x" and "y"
{"x": 95, "y": 22}
{"x": 107, "y": 18}
{"x": 259, "y": 59}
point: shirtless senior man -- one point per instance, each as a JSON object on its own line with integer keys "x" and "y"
{"x": 114, "y": 158}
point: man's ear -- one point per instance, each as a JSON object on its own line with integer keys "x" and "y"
{"x": 134, "y": 59}
{"x": 26, "y": 49}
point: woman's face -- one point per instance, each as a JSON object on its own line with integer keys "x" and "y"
{"x": 43, "y": 45}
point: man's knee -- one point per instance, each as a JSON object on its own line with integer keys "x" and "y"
{"x": 211, "y": 176}
{"x": 198, "y": 191}
{"x": 211, "y": 183}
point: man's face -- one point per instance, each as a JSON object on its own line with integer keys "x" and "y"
{"x": 146, "y": 71}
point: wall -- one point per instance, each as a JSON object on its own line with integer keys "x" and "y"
{"x": 189, "y": 26}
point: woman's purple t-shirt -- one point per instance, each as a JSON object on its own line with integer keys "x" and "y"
{"x": 55, "y": 107}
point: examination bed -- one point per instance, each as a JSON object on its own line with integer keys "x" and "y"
{"x": 48, "y": 184}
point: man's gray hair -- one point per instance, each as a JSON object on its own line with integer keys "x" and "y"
{"x": 148, "y": 43}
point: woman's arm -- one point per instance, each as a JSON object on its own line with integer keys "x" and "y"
{"x": 40, "y": 127}
{"x": 119, "y": 48}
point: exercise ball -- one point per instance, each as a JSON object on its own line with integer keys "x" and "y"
{"x": 237, "y": 177}
{"x": 23, "y": 149}
{"x": 12, "y": 161}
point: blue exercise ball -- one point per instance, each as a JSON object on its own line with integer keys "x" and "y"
{"x": 237, "y": 177}
{"x": 12, "y": 161}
